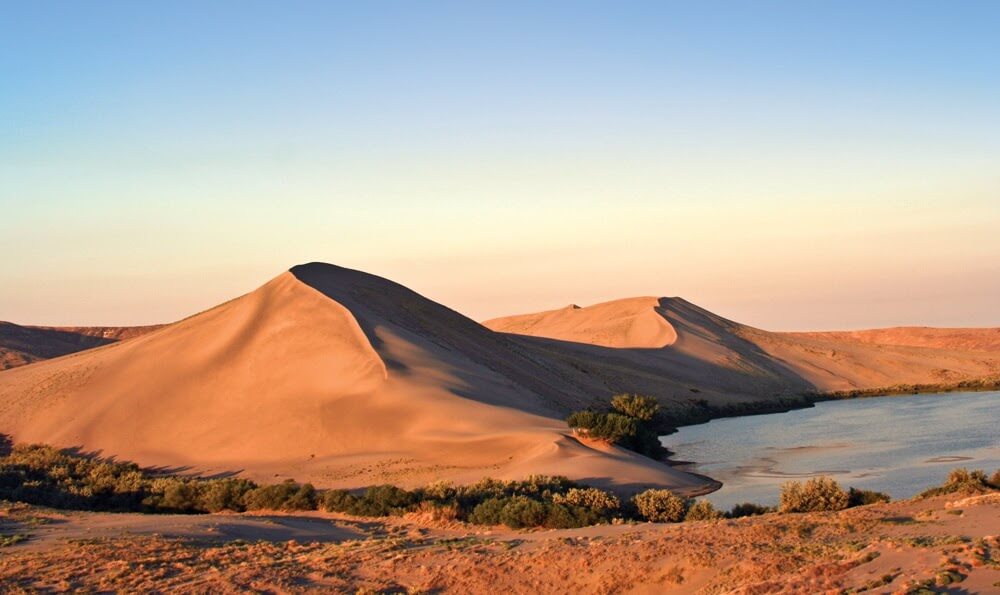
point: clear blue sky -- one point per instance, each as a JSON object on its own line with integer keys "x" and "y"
{"x": 788, "y": 164}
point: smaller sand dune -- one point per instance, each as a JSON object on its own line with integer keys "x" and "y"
{"x": 633, "y": 322}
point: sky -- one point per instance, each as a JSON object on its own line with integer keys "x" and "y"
{"x": 790, "y": 165}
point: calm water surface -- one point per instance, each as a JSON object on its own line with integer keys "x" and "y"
{"x": 900, "y": 445}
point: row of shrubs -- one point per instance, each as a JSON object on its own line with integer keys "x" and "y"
{"x": 43, "y": 475}
{"x": 46, "y": 476}
{"x": 973, "y": 384}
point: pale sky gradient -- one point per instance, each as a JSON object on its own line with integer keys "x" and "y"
{"x": 791, "y": 165}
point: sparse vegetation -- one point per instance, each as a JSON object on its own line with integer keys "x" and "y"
{"x": 963, "y": 481}
{"x": 748, "y": 509}
{"x": 702, "y": 510}
{"x": 856, "y": 497}
{"x": 973, "y": 384}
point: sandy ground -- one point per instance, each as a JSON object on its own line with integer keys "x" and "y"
{"x": 882, "y": 548}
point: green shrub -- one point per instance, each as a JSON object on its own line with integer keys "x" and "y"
{"x": 856, "y": 497}
{"x": 660, "y": 506}
{"x": 287, "y": 495}
{"x": 815, "y": 495}
{"x": 488, "y": 511}
{"x": 629, "y": 424}
{"x": 541, "y": 485}
{"x": 224, "y": 494}
{"x": 339, "y": 501}
{"x": 607, "y": 427}
{"x": 384, "y": 500}
{"x": 180, "y": 496}
{"x": 637, "y": 406}
{"x": 522, "y": 511}
{"x": 961, "y": 481}
{"x": 702, "y": 510}
{"x": 748, "y": 509}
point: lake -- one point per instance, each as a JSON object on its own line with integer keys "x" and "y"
{"x": 900, "y": 445}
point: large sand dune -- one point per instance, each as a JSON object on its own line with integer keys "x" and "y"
{"x": 322, "y": 374}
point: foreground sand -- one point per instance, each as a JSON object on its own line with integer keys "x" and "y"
{"x": 885, "y": 548}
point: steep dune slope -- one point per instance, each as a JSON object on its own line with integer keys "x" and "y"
{"x": 322, "y": 374}
{"x": 21, "y": 345}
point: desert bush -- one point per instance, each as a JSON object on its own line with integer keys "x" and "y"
{"x": 287, "y": 495}
{"x": 609, "y": 427}
{"x": 541, "y": 485}
{"x": 815, "y": 495}
{"x": 564, "y": 516}
{"x": 339, "y": 501}
{"x": 961, "y": 481}
{"x": 384, "y": 500}
{"x": 748, "y": 509}
{"x": 995, "y": 480}
{"x": 438, "y": 511}
{"x": 702, "y": 510}
{"x": 521, "y": 511}
{"x": 488, "y": 511}
{"x": 660, "y": 506}
{"x": 636, "y": 406}
{"x": 856, "y": 497}
{"x": 224, "y": 494}
{"x": 439, "y": 491}
{"x": 178, "y": 496}
{"x": 593, "y": 499}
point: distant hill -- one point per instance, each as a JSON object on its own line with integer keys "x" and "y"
{"x": 20, "y": 345}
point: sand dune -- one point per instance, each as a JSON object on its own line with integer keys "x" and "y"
{"x": 323, "y": 374}
{"x": 21, "y": 345}
{"x": 635, "y": 322}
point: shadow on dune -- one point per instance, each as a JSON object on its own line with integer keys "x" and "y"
{"x": 692, "y": 386}
{"x": 383, "y": 308}
{"x": 564, "y": 375}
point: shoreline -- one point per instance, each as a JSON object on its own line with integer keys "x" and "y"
{"x": 807, "y": 400}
